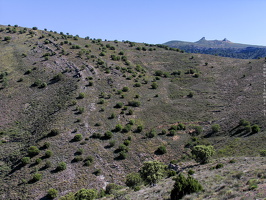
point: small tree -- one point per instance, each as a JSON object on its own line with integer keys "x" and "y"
{"x": 161, "y": 149}
{"x": 184, "y": 186}
{"x": 154, "y": 85}
{"x": 133, "y": 180}
{"x": 61, "y": 166}
{"x": 86, "y": 194}
{"x": 202, "y": 153}
{"x": 152, "y": 172}
{"x": 25, "y": 160}
{"x": 36, "y": 177}
{"x": 33, "y": 151}
{"x": 52, "y": 193}
{"x": 255, "y": 128}
{"x": 77, "y": 137}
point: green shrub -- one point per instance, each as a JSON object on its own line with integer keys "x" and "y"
{"x": 85, "y": 194}
{"x": 112, "y": 143}
{"x": 202, "y": 153}
{"x": 48, "y": 153}
{"x": 215, "y": 128}
{"x": 184, "y": 186}
{"x": 263, "y": 153}
{"x": 127, "y": 142}
{"x": 33, "y": 151}
{"x": 47, "y": 164}
{"x": 127, "y": 128}
{"x": 111, "y": 188}
{"x": 255, "y": 128}
{"x": 81, "y": 95}
{"x": 219, "y": 165}
{"x": 77, "y": 137}
{"x": 133, "y": 180}
{"x": 25, "y": 160}
{"x": 108, "y": 135}
{"x": 172, "y": 132}
{"x": 119, "y": 105}
{"x": 191, "y": 172}
{"x": 151, "y": 134}
{"x": 139, "y": 128}
{"x": 78, "y": 158}
{"x": 243, "y": 122}
{"x": 154, "y": 85}
{"x": 61, "y": 166}
{"x": 54, "y": 132}
{"x": 198, "y": 130}
{"x": 161, "y": 149}
{"x": 125, "y": 89}
{"x": 52, "y": 193}
{"x": 118, "y": 128}
{"x": 36, "y": 177}
{"x": 134, "y": 103}
{"x": 152, "y": 171}
{"x": 122, "y": 147}
{"x": 97, "y": 172}
{"x": 163, "y": 132}
{"x": 122, "y": 155}
{"x": 38, "y": 161}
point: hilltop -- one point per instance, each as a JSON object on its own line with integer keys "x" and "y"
{"x": 223, "y": 48}
{"x": 104, "y": 107}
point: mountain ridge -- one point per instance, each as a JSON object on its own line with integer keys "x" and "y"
{"x": 223, "y": 47}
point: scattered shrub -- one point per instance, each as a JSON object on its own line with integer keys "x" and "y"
{"x": 184, "y": 186}
{"x": 61, "y": 166}
{"x": 202, "y": 153}
{"x": 85, "y": 194}
{"x": 154, "y": 85}
{"x": 48, "y": 153}
{"x": 108, "y": 135}
{"x": 54, "y": 132}
{"x": 111, "y": 187}
{"x": 219, "y": 165}
{"x": 255, "y": 128}
{"x": 119, "y": 105}
{"x": 118, "y": 128}
{"x": 52, "y": 193}
{"x": 152, "y": 171}
{"x": 25, "y": 160}
{"x": 161, "y": 149}
{"x": 81, "y": 95}
{"x": 191, "y": 172}
{"x": 215, "y": 128}
{"x": 151, "y": 134}
{"x": 133, "y": 180}
{"x": 263, "y": 153}
{"x": 77, "y": 137}
{"x": 36, "y": 177}
{"x": 134, "y": 103}
{"x": 33, "y": 151}
{"x": 139, "y": 128}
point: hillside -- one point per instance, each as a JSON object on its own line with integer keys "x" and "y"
{"x": 223, "y": 48}
{"x": 90, "y": 104}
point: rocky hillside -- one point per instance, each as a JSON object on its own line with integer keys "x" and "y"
{"x": 83, "y": 113}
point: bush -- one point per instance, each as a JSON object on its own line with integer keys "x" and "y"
{"x": 108, "y": 135}
{"x": 191, "y": 172}
{"x": 263, "y": 153}
{"x": 125, "y": 89}
{"x": 243, "y": 122}
{"x": 85, "y": 194}
{"x": 151, "y": 134}
{"x": 139, "y": 128}
{"x": 133, "y": 180}
{"x": 255, "y": 128}
{"x": 47, "y": 164}
{"x": 202, "y": 153}
{"x": 112, "y": 143}
{"x": 134, "y": 103}
{"x": 163, "y": 132}
{"x": 127, "y": 142}
{"x": 54, "y": 132}
{"x": 152, "y": 171}
{"x": 111, "y": 187}
{"x": 33, "y": 151}
{"x": 184, "y": 186}
{"x": 78, "y": 158}
{"x": 154, "y": 85}
{"x": 118, "y": 128}
{"x": 48, "y": 153}
{"x": 77, "y": 137}
{"x": 161, "y": 149}
{"x": 25, "y": 160}
{"x": 122, "y": 155}
{"x": 52, "y": 193}
{"x": 38, "y": 161}
{"x": 119, "y": 105}
{"x": 122, "y": 147}
{"x": 127, "y": 128}
{"x": 36, "y": 177}
{"x": 215, "y": 128}
{"x": 81, "y": 95}
{"x": 219, "y": 165}
{"x": 198, "y": 130}
{"x": 61, "y": 166}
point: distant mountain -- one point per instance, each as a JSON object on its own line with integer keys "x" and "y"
{"x": 223, "y": 48}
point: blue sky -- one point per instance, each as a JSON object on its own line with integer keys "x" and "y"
{"x": 150, "y": 21}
